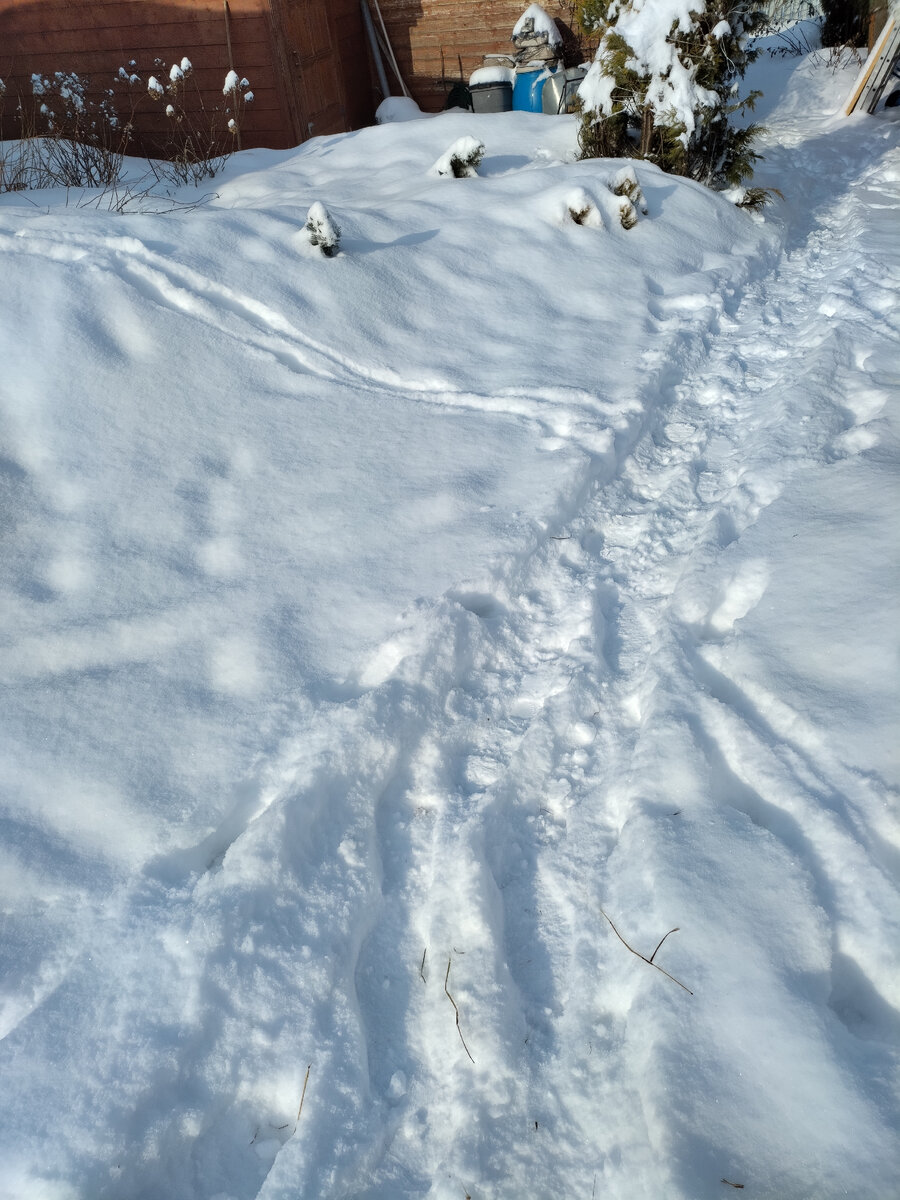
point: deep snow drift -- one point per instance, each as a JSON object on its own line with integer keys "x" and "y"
{"x": 379, "y": 631}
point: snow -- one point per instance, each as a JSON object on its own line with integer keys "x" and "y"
{"x": 378, "y": 629}
{"x": 492, "y": 74}
{"x": 398, "y": 108}
{"x": 543, "y": 24}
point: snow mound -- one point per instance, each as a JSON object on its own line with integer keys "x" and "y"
{"x": 398, "y": 108}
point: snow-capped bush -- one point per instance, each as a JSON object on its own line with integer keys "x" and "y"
{"x": 665, "y": 83}
{"x": 462, "y": 160}
{"x": 627, "y": 213}
{"x": 72, "y": 138}
{"x": 582, "y": 209}
{"x": 322, "y": 231}
{"x": 67, "y": 136}
{"x": 201, "y": 140}
{"x": 626, "y": 184}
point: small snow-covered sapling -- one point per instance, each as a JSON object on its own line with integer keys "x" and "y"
{"x": 627, "y": 213}
{"x": 461, "y": 160}
{"x": 626, "y": 184}
{"x": 322, "y": 231}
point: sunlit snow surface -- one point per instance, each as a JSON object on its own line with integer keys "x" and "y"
{"x": 372, "y": 618}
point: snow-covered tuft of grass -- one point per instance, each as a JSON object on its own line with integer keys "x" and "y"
{"x": 322, "y": 231}
{"x": 461, "y": 160}
{"x": 625, "y": 183}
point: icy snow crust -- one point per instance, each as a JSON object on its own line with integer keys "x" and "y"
{"x": 405, "y": 612}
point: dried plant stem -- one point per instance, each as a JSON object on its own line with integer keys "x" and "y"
{"x": 302, "y": 1097}
{"x": 661, "y": 940}
{"x": 649, "y": 961}
{"x": 455, "y": 1009}
{"x": 422, "y": 965}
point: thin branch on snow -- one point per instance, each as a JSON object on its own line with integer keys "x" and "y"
{"x": 649, "y": 961}
{"x": 456, "y": 1010}
{"x": 302, "y": 1098}
{"x": 661, "y": 940}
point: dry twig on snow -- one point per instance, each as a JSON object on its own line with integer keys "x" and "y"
{"x": 455, "y": 1009}
{"x": 649, "y": 960}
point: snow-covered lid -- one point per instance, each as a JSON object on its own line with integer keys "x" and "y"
{"x": 486, "y": 75}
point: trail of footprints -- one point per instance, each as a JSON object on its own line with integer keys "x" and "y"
{"x": 562, "y": 652}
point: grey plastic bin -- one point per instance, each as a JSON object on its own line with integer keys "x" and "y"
{"x": 491, "y": 97}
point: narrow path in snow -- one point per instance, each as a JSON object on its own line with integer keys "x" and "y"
{"x": 540, "y": 709}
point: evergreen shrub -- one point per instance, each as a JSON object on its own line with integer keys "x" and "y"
{"x": 665, "y": 86}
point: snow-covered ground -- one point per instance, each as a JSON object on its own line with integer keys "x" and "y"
{"x": 379, "y": 632}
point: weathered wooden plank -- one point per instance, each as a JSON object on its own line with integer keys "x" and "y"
{"x": 170, "y": 42}
{"x": 97, "y": 67}
{"x": 328, "y": 61}
{"x": 86, "y": 25}
{"x": 238, "y": 8}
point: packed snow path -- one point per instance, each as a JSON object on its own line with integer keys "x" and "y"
{"x": 591, "y": 746}
{"x": 663, "y": 699}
